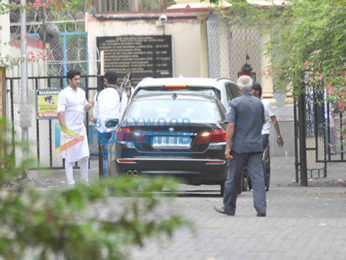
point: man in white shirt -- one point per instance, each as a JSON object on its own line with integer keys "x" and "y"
{"x": 269, "y": 114}
{"x": 110, "y": 104}
{"x": 72, "y": 105}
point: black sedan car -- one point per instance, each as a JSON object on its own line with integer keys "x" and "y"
{"x": 176, "y": 134}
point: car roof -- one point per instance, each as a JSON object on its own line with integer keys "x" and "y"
{"x": 185, "y": 96}
{"x": 200, "y": 82}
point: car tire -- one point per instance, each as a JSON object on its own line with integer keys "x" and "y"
{"x": 266, "y": 163}
{"x": 246, "y": 183}
{"x": 222, "y": 190}
{"x": 239, "y": 184}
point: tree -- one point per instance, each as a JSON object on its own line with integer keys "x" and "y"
{"x": 85, "y": 222}
{"x": 306, "y": 37}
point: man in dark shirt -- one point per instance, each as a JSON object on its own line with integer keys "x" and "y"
{"x": 245, "y": 119}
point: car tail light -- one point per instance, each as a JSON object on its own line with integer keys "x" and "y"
{"x": 204, "y": 138}
{"x": 175, "y": 86}
{"x": 219, "y": 135}
{"x": 123, "y": 134}
{"x": 138, "y": 136}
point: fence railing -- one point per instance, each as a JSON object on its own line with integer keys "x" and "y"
{"x": 44, "y": 134}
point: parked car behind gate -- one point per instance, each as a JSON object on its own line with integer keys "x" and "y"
{"x": 223, "y": 89}
{"x": 173, "y": 134}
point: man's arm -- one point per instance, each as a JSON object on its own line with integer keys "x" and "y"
{"x": 229, "y": 137}
{"x": 88, "y": 106}
{"x": 61, "y": 117}
{"x": 279, "y": 140}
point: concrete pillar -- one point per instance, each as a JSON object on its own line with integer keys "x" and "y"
{"x": 203, "y": 45}
{"x": 267, "y": 81}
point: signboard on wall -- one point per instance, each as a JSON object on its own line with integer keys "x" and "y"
{"x": 143, "y": 56}
{"x": 2, "y": 93}
{"x": 47, "y": 103}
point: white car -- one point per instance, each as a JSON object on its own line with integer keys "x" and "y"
{"x": 223, "y": 89}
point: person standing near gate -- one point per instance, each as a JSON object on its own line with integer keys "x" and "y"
{"x": 244, "y": 119}
{"x": 110, "y": 104}
{"x": 72, "y": 105}
{"x": 268, "y": 114}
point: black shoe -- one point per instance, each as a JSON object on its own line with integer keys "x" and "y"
{"x": 222, "y": 211}
{"x": 261, "y": 214}
{"x": 267, "y": 188}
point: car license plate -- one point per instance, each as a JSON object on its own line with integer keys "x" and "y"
{"x": 171, "y": 141}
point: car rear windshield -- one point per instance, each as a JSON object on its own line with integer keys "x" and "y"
{"x": 166, "y": 110}
{"x": 212, "y": 92}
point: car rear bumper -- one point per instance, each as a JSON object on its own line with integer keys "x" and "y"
{"x": 194, "y": 171}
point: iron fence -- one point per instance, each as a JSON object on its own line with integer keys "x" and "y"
{"x": 131, "y": 5}
{"x": 319, "y": 142}
{"x": 70, "y": 51}
{"x": 228, "y": 47}
{"x": 43, "y": 134}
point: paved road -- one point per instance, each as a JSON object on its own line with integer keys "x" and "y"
{"x": 302, "y": 222}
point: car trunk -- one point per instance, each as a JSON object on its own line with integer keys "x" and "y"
{"x": 193, "y": 138}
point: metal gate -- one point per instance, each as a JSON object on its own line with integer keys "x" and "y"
{"x": 319, "y": 139}
{"x": 43, "y": 133}
{"x": 70, "y": 51}
{"x": 228, "y": 47}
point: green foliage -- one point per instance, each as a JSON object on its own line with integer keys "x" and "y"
{"x": 301, "y": 31}
{"x": 100, "y": 221}
{"x": 9, "y": 171}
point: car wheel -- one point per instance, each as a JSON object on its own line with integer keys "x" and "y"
{"x": 239, "y": 184}
{"x": 222, "y": 190}
{"x": 249, "y": 182}
{"x": 266, "y": 163}
{"x": 245, "y": 181}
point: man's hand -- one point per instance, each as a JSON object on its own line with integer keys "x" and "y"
{"x": 228, "y": 153}
{"x": 89, "y": 106}
{"x": 280, "y": 141}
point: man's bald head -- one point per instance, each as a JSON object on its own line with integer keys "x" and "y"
{"x": 244, "y": 83}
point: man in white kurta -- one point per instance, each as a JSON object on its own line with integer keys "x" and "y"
{"x": 72, "y": 105}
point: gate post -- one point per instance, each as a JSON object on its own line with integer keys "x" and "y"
{"x": 302, "y": 137}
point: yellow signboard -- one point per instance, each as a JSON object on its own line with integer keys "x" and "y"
{"x": 46, "y": 103}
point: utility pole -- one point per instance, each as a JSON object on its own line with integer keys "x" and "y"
{"x": 25, "y": 109}
{"x": 44, "y": 38}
